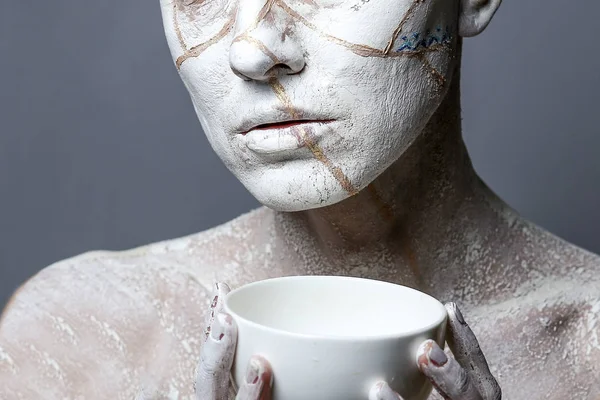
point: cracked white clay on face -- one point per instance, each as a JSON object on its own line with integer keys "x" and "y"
{"x": 287, "y": 90}
{"x": 116, "y": 324}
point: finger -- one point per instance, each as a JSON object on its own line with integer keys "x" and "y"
{"x": 216, "y": 306}
{"x": 212, "y": 378}
{"x": 259, "y": 379}
{"x": 466, "y": 350}
{"x": 446, "y": 374}
{"x": 383, "y": 391}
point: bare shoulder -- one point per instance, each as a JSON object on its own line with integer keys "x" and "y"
{"x": 534, "y": 304}
{"x": 544, "y": 343}
{"x": 511, "y": 257}
{"x": 557, "y": 259}
{"x": 544, "y": 339}
{"x": 101, "y": 325}
{"x": 111, "y": 322}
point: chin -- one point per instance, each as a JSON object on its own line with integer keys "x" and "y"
{"x": 284, "y": 190}
{"x": 292, "y": 203}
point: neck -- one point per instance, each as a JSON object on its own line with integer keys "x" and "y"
{"x": 435, "y": 173}
{"x": 418, "y": 205}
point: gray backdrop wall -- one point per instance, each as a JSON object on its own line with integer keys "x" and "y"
{"x": 100, "y": 147}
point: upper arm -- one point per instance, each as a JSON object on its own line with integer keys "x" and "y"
{"x": 93, "y": 326}
{"x": 31, "y": 364}
{"x": 63, "y": 334}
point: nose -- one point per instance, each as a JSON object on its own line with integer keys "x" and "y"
{"x": 265, "y": 48}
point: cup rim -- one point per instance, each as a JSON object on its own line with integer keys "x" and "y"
{"x": 363, "y": 338}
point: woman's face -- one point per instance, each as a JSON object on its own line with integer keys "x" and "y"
{"x": 308, "y": 101}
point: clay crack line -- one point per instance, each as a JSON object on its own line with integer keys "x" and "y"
{"x": 177, "y": 27}
{"x": 302, "y": 134}
{"x": 437, "y": 75}
{"x": 358, "y": 49}
{"x": 367, "y": 51}
{"x": 264, "y": 11}
{"x": 197, "y": 50}
{"x": 260, "y": 45}
{"x": 261, "y": 15}
{"x": 362, "y": 50}
{"x": 416, "y": 53}
{"x": 305, "y": 137}
{"x": 403, "y": 22}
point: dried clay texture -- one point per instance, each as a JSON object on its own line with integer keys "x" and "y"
{"x": 406, "y": 207}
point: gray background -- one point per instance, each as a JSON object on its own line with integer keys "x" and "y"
{"x": 100, "y": 147}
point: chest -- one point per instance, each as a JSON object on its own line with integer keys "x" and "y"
{"x": 542, "y": 349}
{"x": 542, "y": 341}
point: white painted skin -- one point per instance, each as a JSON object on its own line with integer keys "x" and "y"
{"x": 213, "y": 377}
{"x": 116, "y": 325}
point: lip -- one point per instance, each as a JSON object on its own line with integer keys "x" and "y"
{"x": 276, "y": 116}
{"x": 285, "y": 124}
{"x": 283, "y": 137}
{"x": 277, "y": 129}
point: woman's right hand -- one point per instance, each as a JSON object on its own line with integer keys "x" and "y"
{"x": 450, "y": 378}
{"x": 216, "y": 358}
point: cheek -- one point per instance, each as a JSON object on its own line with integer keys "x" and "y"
{"x": 393, "y": 89}
{"x": 391, "y": 102}
{"x": 209, "y": 78}
{"x": 415, "y": 91}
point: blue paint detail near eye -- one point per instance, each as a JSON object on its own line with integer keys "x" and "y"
{"x": 417, "y": 41}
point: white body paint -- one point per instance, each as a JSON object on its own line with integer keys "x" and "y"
{"x": 107, "y": 325}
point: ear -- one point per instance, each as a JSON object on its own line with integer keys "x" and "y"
{"x": 475, "y": 15}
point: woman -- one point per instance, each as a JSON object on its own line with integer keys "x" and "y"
{"x": 343, "y": 118}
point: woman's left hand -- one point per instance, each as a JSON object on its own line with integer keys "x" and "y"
{"x": 465, "y": 377}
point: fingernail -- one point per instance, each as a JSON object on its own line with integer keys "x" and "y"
{"x": 381, "y": 390}
{"x": 222, "y": 288}
{"x": 214, "y": 302}
{"x": 252, "y": 372}
{"x": 422, "y": 358}
{"x": 438, "y": 357}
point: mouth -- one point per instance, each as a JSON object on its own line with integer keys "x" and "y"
{"x": 285, "y": 137}
{"x": 286, "y": 124}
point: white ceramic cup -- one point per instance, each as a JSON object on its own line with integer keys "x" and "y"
{"x": 333, "y": 338}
